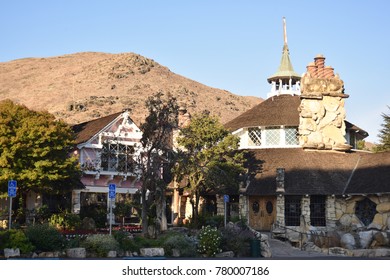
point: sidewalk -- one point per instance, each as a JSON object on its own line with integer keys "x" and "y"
{"x": 284, "y": 250}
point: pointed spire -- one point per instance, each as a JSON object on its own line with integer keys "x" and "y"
{"x": 284, "y": 31}
{"x": 285, "y": 71}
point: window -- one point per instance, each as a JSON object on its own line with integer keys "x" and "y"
{"x": 291, "y": 137}
{"x": 255, "y": 207}
{"x": 254, "y": 136}
{"x": 317, "y": 210}
{"x": 292, "y": 210}
{"x": 117, "y": 157}
{"x": 365, "y": 211}
{"x": 352, "y": 139}
{"x": 269, "y": 207}
{"x": 272, "y": 136}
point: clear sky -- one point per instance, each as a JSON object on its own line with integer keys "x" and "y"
{"x": 231, "y": 45}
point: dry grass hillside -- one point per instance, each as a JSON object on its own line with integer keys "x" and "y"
{"x": 84, "y": 86}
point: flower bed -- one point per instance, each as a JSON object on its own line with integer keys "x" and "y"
{"x": 127, "y": 228}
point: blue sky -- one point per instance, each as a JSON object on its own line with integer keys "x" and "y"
{"x": 231, "y": 45}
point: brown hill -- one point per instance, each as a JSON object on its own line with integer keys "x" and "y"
{"x": 83, "y": 86}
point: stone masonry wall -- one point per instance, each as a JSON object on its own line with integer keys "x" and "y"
{"x": 280, "y": 210}
{"x": 322, "y": 113}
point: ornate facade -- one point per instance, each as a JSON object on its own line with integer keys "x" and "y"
{"x": 313, "y": 180}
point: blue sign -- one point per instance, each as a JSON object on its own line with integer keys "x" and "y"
{"x": 12, "y": 188}
{"x": 111, "y": 190}
{"x": 226, "y": 198}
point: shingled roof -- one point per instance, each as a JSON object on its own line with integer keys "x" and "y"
{"x": 358, "y": 130}
{"x": 86, "y": 130}
{"x": 319, "y": 172}
{"x": 372, "y": 175}
{"x": 276, "y": 110}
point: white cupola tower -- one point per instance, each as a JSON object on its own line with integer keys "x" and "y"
{"x": 285, "y": 80}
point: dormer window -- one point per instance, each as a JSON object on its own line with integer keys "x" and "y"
{"x": 272, "y": 136}
{"x": 254, "y": 134}
{"x": 291, "y": 136}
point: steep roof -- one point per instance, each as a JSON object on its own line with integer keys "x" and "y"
{"x": 276, "y": 110}
{"x": 319, "y": 172}
{"x": 86, "y": 130}
{"x": 285, "y": 70}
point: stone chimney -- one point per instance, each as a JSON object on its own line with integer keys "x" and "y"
{"x": 322, "y": 113}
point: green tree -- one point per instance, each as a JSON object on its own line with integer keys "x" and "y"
{"x": 34, "y": 150}
{"x": 361, "y": 145}
{"x": 208, "y": 159}
{"x": 156, "y": 159}
{"x": 384, "y": 134}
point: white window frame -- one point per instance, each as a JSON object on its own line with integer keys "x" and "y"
{"x": 246, "y": 142}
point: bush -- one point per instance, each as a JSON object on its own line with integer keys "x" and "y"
{"x": 209, "y": 241}
{"x": 65, "y": 220}
{"x": 122, "y": 209}
{"x": 4, "y": 238}
{"x": 212, "y": 221}
{"x": 15, "y": 239}
{"x": 45, "y": 237}
{"x": 98, "y": 245}
{"x": 74, "y": 242}
{"x": 43, "y": 214}
{"x": 237, "y": 239}
{"x": 183, "y": 243}
{"x": 97, "y": 212}
{"x": 125, "y": 240}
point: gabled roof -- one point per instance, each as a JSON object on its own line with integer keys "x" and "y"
{"x": 320, "y": 172}
{"x": 276, "y": 110}
{"x": 86, "y": 130}
{"x": 351, "y": 126}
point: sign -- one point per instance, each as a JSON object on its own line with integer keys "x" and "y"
{"x": 111, "y": 190}
{"x": 226, "y": 198}
{"x": 12, "y": 188}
